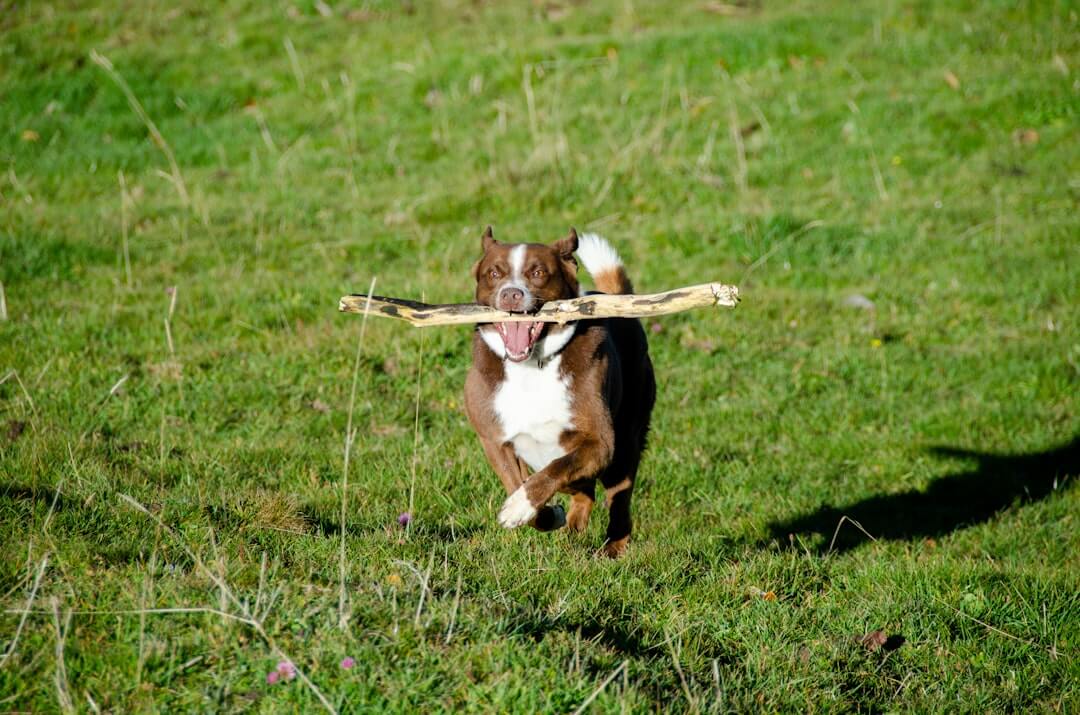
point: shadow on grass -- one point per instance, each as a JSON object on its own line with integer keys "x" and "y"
{"x": 27, "y": 506}
{"x": 626, "y": 637}
{"x": 948, "y": 503}
{"x": 617, "y": 636}
{"x": 27, "y": 495}
{"x": 435, "y": 531}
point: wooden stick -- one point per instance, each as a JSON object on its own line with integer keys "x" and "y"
{"x": 597, "y": 305}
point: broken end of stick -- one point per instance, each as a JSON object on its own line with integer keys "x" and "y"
{"x": 360, "y": 303}
{"x": 351, "y": 305}
{"x": 725, "y": 295}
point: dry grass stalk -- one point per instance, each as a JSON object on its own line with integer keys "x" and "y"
{"x": 350, "y": 435}
{"x": 145, "y": 597}
{"x": 136, "y": 106}
{"x": 454, "y": 611}
{"x": 125, "y": 202}
{"x": 63, "y": 693}
{"x": 246, "y": 615}
{"x": 740, "y": 150}
{"x": 1051, "y": 650}
{"x": 294, "y": 60}
{"x": 29, "y": 604}
{"x": 416, "y": 435}
{"x": 600, "y": 688}
{"x": 93, "y": 419}
{"x": 142, "y": 611}
{"x": 690, "y": 700}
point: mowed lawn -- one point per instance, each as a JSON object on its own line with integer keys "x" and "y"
{"x": 860, "y": 493}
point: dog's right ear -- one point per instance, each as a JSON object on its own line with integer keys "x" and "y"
{"x": 487, "y": 240}
{"x": 565, "y": 247}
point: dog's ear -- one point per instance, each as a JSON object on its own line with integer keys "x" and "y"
{"x": 487, "y": 240}
{"x": 565, "y": 247}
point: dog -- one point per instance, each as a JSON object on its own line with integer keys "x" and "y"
{"x": 558, "y": 407}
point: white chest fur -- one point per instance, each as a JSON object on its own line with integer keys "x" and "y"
{"x": 533, "y": 406}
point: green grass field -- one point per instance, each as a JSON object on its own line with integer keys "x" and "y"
{"x": 893, "y": 185}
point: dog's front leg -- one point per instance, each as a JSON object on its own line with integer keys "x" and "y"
{"x": 587, "y": 459}
{"x": 513, "y": 473}
{"x": 511, "y": 470}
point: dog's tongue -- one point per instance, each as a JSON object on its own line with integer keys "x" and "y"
{"x": 516, "y": 337}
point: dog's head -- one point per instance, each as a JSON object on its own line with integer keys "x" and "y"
{"x": 520, "y": 278}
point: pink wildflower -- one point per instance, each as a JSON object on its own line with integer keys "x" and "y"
{"x": 404, "y": 518}
{"x": 286, "y": 670}
{"x": 347, "y": 662}
{"x": 272, "y": 677}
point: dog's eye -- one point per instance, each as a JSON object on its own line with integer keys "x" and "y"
{"x": 494, "y": 273}
{"x": 538, "y": 273}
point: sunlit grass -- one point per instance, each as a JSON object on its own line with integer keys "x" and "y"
{"x": 893, "y": 187}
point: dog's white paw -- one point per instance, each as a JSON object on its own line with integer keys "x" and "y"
{"x": 516, "y": 510}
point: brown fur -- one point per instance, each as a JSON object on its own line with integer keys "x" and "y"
{"x": 614, "y": 282}
{"x": 551, "y": 271}
{"x": 613, "y": 391}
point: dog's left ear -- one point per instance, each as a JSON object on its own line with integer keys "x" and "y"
{"x": 565, "y": 247}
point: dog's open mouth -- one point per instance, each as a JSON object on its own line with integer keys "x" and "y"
{"x": 519, "y": 338}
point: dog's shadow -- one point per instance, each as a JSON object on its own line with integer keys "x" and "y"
{"x": 948, "y": 503}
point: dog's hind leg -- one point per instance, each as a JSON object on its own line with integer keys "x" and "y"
{"x": 582, "y": 497}
{"x": 617, "y": 495}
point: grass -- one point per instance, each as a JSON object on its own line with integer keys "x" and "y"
{"x": 893, "y": 186}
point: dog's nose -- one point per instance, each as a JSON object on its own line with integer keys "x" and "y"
{"x": 511, "y": 298}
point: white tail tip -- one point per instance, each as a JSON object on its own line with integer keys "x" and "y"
{"x": 596, "y": 254}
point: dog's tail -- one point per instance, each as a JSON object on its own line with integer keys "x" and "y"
{"x": 603, "y": 264}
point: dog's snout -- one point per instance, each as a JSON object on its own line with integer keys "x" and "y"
{"x": 511, "y": 298}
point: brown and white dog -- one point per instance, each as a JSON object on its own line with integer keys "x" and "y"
{"x": 559, "y": 407}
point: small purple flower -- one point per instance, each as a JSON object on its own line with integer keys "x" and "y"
{"x": 286, "y": 670}
{"x": 404, "y": 518}
{"x": 347, "y": 662}
{"x": 272, "y": 677}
